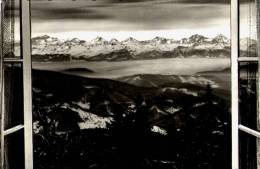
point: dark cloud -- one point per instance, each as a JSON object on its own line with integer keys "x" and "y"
{"x": 170, "y": 2}
{"x": 116, "y": 15}
{"x": 68, "y": 13}
{"x": 97, "y": 1}
{"x": 129, "y": 1}
{"x": 202, "y": 1}
{"x": 163, "y": 16}
{"x": 149, "y": 1}
{"x": 52, "y": 11}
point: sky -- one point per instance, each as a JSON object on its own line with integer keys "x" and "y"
{"x": 140, "y": 19}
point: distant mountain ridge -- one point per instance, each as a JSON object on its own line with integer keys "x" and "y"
{"x": 47, "y": 48}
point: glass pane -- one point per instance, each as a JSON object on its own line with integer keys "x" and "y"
{"x": 247, "y": 151}
{"x": 14, "y": 151}
{"x": 13, "y": 95}
{"x": 248, "y": 43}
{"x": 248, "y": 94}
{"x": 11, "y": 29}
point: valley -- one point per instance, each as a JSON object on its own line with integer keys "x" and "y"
{"x": 78, "y": 120}
{"x": 90, "y": 116}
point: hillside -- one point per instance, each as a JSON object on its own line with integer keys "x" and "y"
{"x": 97, "y": 122}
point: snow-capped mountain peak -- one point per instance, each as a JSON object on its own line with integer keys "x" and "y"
{"x": 99, "y": 48}
{"x": 45, "y": 45}
{"x": 159, "y": 40}
{"x": 197, "y": 39}
{"x": 99, "y": 40}
{"x": 113, "y": 41}
{"x": 44, "y": 39}
{"x": 77, "y": 40}
{"x": 130, "y": 40}
{"x": 184, "y": 41}
{"x": 220, "y": 39}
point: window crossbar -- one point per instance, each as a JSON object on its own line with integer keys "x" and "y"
{"x": 13, "y": 129}
{"x": 249, "y": 131}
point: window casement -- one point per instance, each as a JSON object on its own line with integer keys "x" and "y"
{"x": 245, "y": 94}
{"x": 16, "y": 93}
{"x": 20, "y": 126}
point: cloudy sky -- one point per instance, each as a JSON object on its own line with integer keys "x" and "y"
{"x": 141, "y": 19}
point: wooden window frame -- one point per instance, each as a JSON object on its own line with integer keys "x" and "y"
{"x": 25, "y": 19}
{"x": 235, "y": 59}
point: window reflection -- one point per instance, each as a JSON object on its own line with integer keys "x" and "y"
{"x": 11, "y": 29}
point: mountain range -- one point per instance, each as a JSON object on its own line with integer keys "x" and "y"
{"x": 46, "y": 48}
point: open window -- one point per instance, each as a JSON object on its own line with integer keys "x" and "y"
{"x": 71, "y": 130}
{"x": 245, "y": 91}
{"x": 16, "y": 105}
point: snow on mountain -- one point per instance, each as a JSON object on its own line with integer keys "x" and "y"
{"x": 184, "y": 41}
{"x": 159, "y": 40}
{"x": 92, "y": 121}
{"x": 99, "y": 41}
{"x": 157, "y": 110}
{"x": 198, "y": 80}
{"x": 172, "y": 109}
{"x": 74, "y": 42}
{"x": 198, "y": 39}
{"x": 46, "y": 45}
{"x": 44, "y": 38}
{"x": 130, "y": 39}
{"x": 182, "y": 90}
{"x": 220, "y": 39}
{"x": 218, "y": 42}
{"x": 209, "y": 46}
{"x": 159, "y": 130}
{"x": 114, "y": 41}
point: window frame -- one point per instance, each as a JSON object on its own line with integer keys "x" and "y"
{"x": 25, "y": 61}
{"x": 27, "y": 82}
{"x": 235, "y": 59}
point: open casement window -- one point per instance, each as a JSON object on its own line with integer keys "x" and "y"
{"x": 245, "y": 86}
{"x": 16, "y": 98}
{"x": 16, "y": 113}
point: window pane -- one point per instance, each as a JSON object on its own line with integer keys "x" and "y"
{"x": 248, "y": 43}
{"x": 13, "y": 95}
{"x": 247, "y": 151}
{"x": 11, "y": 29}
{"x": 14, "y": 151}
{"x": 248, "y": 94}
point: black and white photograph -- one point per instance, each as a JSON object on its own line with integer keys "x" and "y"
{"x": 129, "y": 84}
